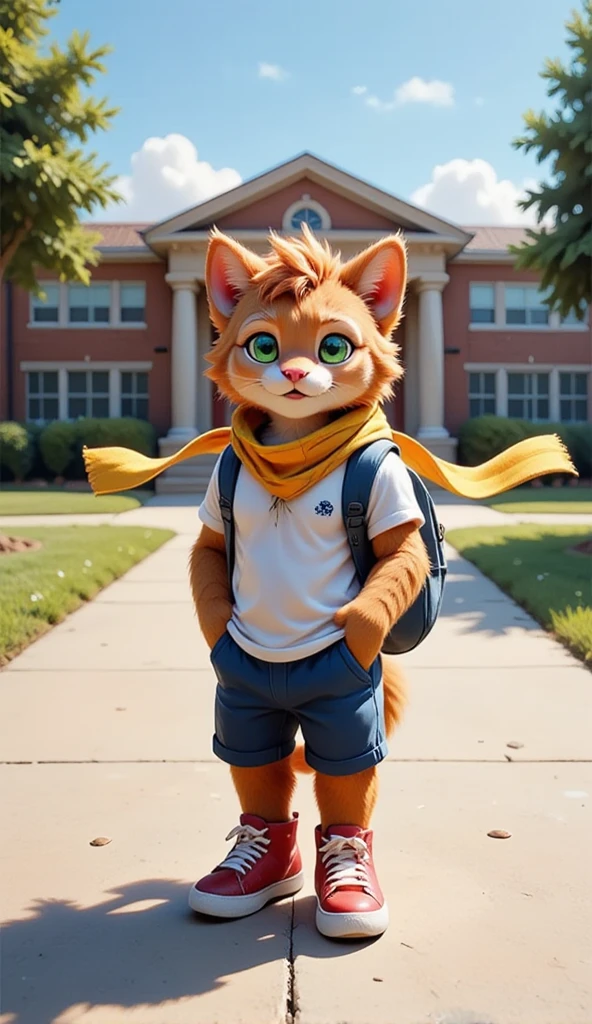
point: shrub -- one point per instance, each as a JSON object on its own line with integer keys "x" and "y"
{"x": 38, "y": 469}
{"x": 62, "y": 443}
{"x": 578, "y": 438}
{"x": 126, "y": 432}
{"x": 16, "y": 449}
{"x": 484, "y": 437}
{"x": 57, "y": 445}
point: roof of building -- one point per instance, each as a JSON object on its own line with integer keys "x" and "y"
{"x": 120, "y": 235}
{"x": 128, "y": 236}
{"x": 494, "y": 239}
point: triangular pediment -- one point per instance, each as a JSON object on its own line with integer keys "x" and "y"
{"x": 352, "y": 205}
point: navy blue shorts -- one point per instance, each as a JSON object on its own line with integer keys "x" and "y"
{"x": 260, "y": 705}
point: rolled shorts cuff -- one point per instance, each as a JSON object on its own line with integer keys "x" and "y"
{"x": 352, "y": 765}
{"x": 252, "y": 758}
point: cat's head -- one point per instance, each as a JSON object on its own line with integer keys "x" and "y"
{"x": 302, "y": 333}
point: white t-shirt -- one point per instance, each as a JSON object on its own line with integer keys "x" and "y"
{"x": 293, "y": 566}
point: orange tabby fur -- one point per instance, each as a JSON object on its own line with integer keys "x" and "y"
{"x": 300, "y": 292}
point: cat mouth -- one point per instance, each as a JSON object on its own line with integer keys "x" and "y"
{"x": 294, "y": 394}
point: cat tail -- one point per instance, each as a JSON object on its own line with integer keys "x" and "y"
{"x": 395, "y": 693}
{"x": 298, "y": 762}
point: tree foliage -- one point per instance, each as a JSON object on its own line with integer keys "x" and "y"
{"x": 562, "y": 252}
{"x": 47, "y": 116}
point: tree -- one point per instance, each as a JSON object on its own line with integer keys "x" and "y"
{"x": 562, "y": 253}
{"x": 46, "y": 116}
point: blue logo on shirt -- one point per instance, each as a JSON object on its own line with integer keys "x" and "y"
{"x": 324, "y": 508}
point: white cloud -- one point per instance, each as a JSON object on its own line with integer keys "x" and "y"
{"x": 415, "y": 90}
{"x": 469, "y": 192}
{"x": 274, "y": 71}
{"x": 167, "y": 177}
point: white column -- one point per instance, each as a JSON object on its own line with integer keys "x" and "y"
{"x": 410, "y": 384}
{"x": 183, "y": 357}
{"x": 204, "y": 385}
{"x": 431, "y": 357}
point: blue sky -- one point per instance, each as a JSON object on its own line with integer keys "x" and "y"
{"x": 465, "y": 71}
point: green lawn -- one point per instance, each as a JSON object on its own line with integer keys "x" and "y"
{"x": 49, "y": 501}
{"x": 537, "y": 566}
{"x": 544, "y": 499}
{"x": 39, "y": 588}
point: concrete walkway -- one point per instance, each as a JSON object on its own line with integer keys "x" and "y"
{"x": 179, "y": 512}
{"x": 106, "y": 731}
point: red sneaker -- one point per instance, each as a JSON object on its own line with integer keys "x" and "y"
{"x": 350, "y": 904}
{"x": 263, "y": 865}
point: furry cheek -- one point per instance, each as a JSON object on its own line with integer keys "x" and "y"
{"x": 357, "y": 374}
{"x": 243, "y": 374}
{"x": 273, "y": 380}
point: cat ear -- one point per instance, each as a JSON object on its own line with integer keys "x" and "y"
{"x": 379, "y": 276}
{"x": 229, "y": 271}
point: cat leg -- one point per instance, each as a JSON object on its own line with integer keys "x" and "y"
{"x": 350, "y": 904}
{"x": 266, "y": 791}
{"x": 346, "y": 799}
{"x": 265, "y": 862}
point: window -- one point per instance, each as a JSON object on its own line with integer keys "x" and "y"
{"x": 46, "y": 311}
{"x": 134, "y": 395}
{"x": 42, "y": 396}
{"x": 88, "y": 393}
{"x": 482, "y": 302}
{"x": 573, "y": 397}
{"x": 306, "y": 215}
{"x": 528, "y": 396}
{"x": 133, "y": 302}
{"x": 526, "y": 305}
{"x": 481, "y": 394}
{"x": 306, "y": 211}
{"x": 89, "y": 305}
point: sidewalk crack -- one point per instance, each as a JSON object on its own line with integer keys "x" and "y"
{"x": 292, "y": 1010}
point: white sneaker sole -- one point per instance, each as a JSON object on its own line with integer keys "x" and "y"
{"x": 242, "y": 906}
{"x": 352, "y": 926}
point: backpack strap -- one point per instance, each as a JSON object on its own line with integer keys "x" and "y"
{"x": 228, "y": 471}
{"x": 360, "y": 473}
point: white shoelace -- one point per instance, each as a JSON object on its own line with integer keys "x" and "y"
{"x": 346, "y": 861}
{"x": 250, "y": 846}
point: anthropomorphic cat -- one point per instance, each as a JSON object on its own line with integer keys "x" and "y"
{"x": 305, "y": 352}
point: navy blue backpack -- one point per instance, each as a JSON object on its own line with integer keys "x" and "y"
{"x": 360, "y": 471}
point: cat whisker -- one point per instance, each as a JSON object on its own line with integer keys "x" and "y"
{"x": 247, "y": 380}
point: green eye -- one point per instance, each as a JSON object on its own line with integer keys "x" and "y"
{"x": 263, "y": 348}
{"x": 335, "y": 349}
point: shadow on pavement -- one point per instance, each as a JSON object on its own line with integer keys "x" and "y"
{"x": 142, "y": 946}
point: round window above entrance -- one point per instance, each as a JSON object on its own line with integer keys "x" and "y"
{"x": 306, "y": 211}
{"x": 306, "y": 216}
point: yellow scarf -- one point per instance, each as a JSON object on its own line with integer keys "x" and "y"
{"x": 288, "y": 470}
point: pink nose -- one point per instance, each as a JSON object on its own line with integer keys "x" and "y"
{"x": 294, "y": 374}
